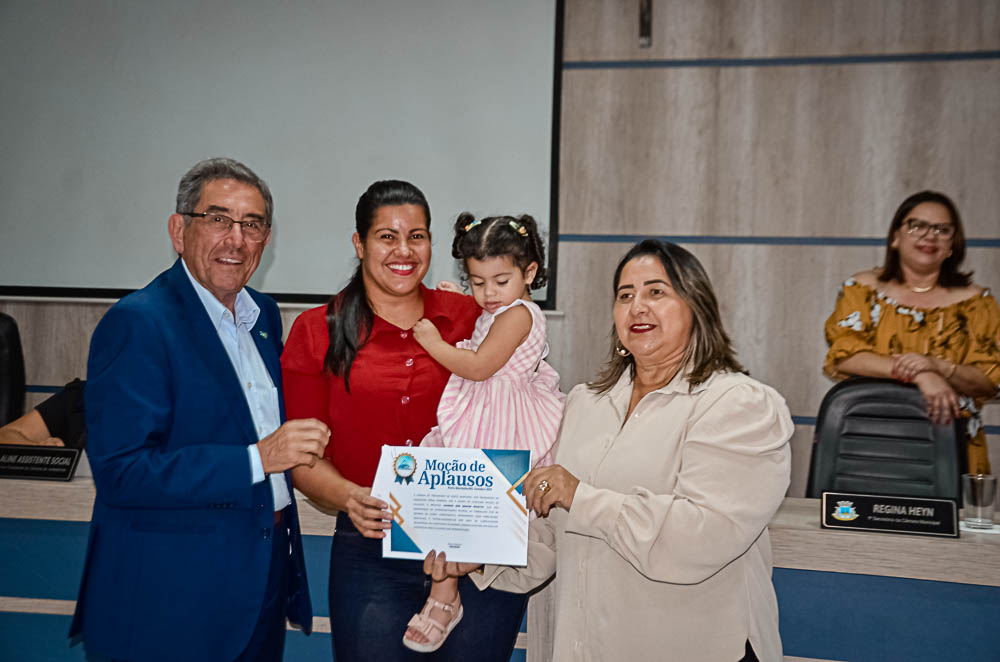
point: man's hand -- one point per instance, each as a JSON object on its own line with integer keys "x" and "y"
{"x": 294, "y": 443}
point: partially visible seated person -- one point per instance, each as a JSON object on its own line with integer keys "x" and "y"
{"x": 919, "y": 319}
{"x": 58, "y": 421}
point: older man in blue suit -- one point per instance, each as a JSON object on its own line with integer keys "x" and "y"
{"x": 194, "y": 550}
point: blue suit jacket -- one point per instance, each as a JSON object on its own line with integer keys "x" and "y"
{"x": 179, "y": 546}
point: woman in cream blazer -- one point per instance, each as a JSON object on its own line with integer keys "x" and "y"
{"x": 669, "y": 467}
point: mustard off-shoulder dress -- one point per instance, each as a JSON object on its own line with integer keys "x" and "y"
{"x": 965, "y": 333}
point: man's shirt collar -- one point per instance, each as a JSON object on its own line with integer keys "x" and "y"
{"x": 246, "y": 308}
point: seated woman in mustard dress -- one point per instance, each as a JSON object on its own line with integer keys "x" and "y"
{"x": 919, "y": 319}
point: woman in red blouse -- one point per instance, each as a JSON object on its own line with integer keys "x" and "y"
{"x": 354, "y": 364}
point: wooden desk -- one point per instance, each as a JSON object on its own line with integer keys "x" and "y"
{"x": 41, "y": 562}
{"x": 799, "y": 543}
{"x": 831, "y": 585}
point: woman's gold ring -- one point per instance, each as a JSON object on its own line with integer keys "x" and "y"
{"x": 544, "y": 486}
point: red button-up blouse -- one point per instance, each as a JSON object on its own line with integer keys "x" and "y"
{"x": 395, "y": 384}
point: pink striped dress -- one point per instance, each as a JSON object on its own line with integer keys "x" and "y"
{"x": 519, "y": 407}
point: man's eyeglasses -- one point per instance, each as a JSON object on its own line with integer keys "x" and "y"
{"x": 220, "y": 224}
{"x": 919, "y": 228}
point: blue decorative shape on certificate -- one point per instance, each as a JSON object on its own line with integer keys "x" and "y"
{"x": 512, "y": 464}
{"x": 402, "y": 542}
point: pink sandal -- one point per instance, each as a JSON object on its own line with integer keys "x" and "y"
{"x": 435, "y": 632}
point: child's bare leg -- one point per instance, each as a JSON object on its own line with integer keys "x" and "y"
{"x": 444, "y": 591}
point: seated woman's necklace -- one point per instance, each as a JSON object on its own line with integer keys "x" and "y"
{"x": 921, "y": 290}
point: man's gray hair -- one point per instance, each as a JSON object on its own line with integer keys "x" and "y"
{"x": 194, "y": 180}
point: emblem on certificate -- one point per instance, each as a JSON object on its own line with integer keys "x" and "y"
{"x": 404, "y": 466}
{"x": 466, "y": 502}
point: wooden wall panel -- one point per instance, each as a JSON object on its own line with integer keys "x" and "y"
{"x": 798, "y": 150}
{"x": 609, "y": 29}
{"x": 774, "y": 301}
{"x": 748, "y": 292}
{"x": 801, "y": 444}
{"x": 55, "y": 336}
{"x": 289, "y": 311}
{"x": 805, "y": 151}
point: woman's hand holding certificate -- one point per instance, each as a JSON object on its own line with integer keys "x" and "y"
{"x": 550, "y": 487}
{"x": 369, "y": 515}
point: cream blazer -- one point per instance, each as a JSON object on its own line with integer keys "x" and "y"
{"x": 665, "y": 553}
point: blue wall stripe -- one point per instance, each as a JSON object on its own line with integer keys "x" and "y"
{"x": 41, "y": 558}
{"x": 42, "y": 638}
{"x": 40, "y": 388}
{"x": 825, "y": 615}
{"x": 864, "y": 618}
{"x": 39, "y": 638}
{"x": 749, "y": 240}
{"x": 811, "y": 60}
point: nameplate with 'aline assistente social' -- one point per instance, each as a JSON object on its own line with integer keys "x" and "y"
{"x": 890, "y": 514}
{"x": 38, "y": 462}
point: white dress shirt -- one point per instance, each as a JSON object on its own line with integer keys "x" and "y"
{"x": 259, "y": 390}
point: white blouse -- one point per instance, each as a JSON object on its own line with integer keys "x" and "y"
{"x": 665, "y": 554}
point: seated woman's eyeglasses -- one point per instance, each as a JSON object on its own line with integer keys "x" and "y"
{"x": 220, "y": 224}
{"x": 920, "y": 228}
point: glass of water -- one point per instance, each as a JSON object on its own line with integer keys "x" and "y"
{"x": 979, "y": 492}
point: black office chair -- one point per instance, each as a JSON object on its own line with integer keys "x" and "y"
{"x": 873, "y": 437}
{"x": 11, "y": 371}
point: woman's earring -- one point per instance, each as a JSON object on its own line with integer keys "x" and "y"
{"x": 620, "y": 348}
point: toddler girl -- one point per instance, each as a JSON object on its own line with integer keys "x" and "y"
{"x": 502, "y": 394}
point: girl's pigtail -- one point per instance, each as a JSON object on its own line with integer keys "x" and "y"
{"x": 538, "y": 248}
{"x": 463, "y": 224}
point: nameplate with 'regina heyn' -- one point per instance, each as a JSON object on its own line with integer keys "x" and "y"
{"x": 890, "y": 514}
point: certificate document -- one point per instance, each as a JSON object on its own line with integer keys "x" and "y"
{"x": 466, "y": 502}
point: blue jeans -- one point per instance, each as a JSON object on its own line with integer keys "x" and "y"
{"x": 372, "y": 599}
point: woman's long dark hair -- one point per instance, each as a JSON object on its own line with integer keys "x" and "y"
{"x": 949, "y": 275}
{"x": 709, "y": 349}
{"x": 349, "y": 315}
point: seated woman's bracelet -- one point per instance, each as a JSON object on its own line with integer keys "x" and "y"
{"x": 951, "y": 373}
